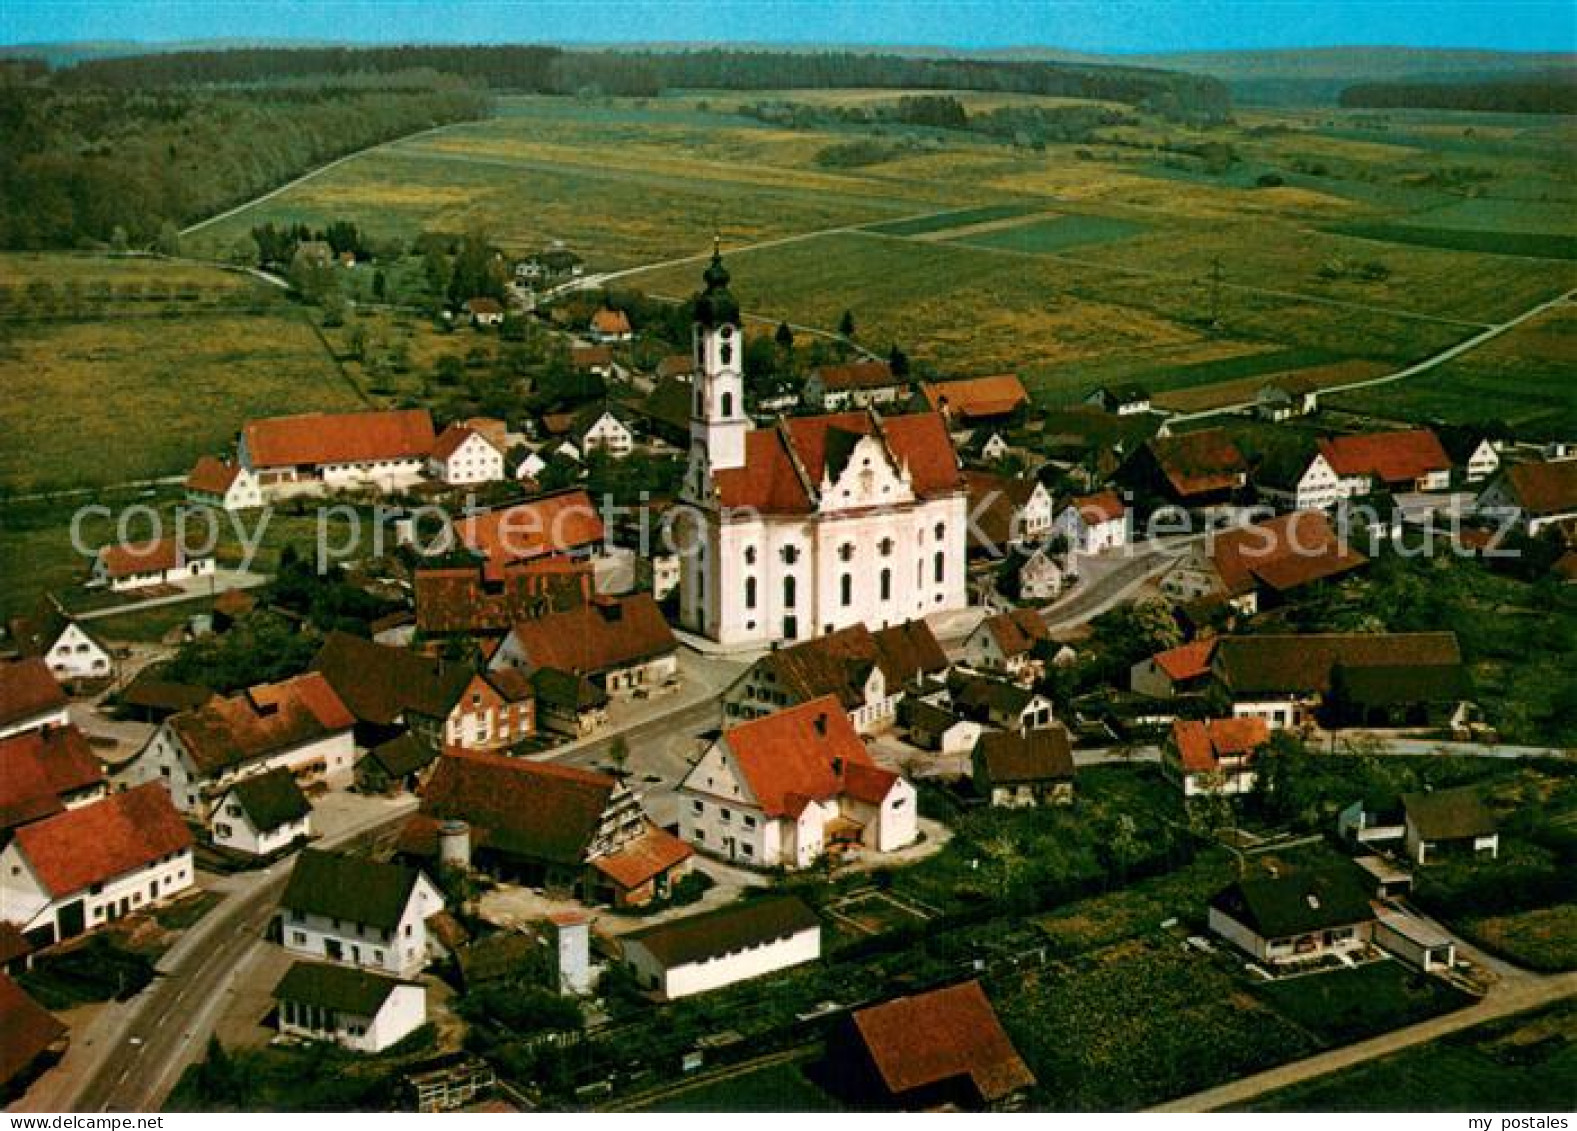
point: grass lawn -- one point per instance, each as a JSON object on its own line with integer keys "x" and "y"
{"x": 1525, "y": 1063}
{"x": 779, "y": 1087}
{"x": 95, "y": 402}
{"x": 1543, "y": 939}
{"x": 1344, "y": 1006}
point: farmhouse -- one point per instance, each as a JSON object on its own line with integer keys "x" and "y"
{"x": 45, "y": 772}
{"x": 546, "y": 825}
{"x": 721, "y": 947}
{"x": 1194, "y": 469}
{"x": 1286, "y": 679}
{"x": 1092, "y": 523}
{"x": 785, "y": 789}
{"x": 602, "y": 428}
{"x": 398, "y": 765}
{"x": 1286, "y": 398}
{"x": 855, "y": 384}
{"x": 943, "y": 1049}
{"x": 91, "y": 865}
{"x": 868, "y": 671}
{"x": 568, "y": 704}
{"x": 1015, "y": 769}
{"x": 1290, "y": 473}
{"x": 484, "y": 311}
{"x": 225, "y": 486}
{"x": 996, "y": 702}
{"x": 299, "y": 724}
{"x": 356, "y": 1009}
{"x": 561, "y": 524}
{"x": 359, "y": 912}
{"x": 262, "y": 814}
{"x": 73, "y": 653}
{"x": 1447, "y": 822}
{"x": 1533, "y": 496}
{"x": 1010, "y": 643}
{"x": 479, "y": 601}
{"x": 1398, "y": 461}
{"x": 1176, "y": 671}
{"x": 932, "y": 725}
{"x": 1124, "y": 401}
{"x": 610, "y": 326}
{"x": 1295, "y": 917}
{"x": 461, "y": 456}
{"x": 1006, "y": 512}
{"x": 1041, "y": 576}
{"x": 138, "y": 565}
{"x": 1214, "y": 756}
{"x": 30, "y": 697}
{"x": 619, "y": 643}
{"x": 974, "y": 401}
{"x": 1257, "y": 565}
{"x": 317, "y": 451}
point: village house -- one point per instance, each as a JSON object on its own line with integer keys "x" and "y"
{"x": 940, "y": 1050}
{"x": 1371, "y": 677}
{"x": 299, "y": 724}
{"x": 622, "y": 644}
{"x": 1041, "y": 577}
{"x": 1475, "y": 454}
{"x": 545, "y": 825}
{"x": 1200, "y": 470}
{"x": 30, "y": 697}
{"x": 854, "y": 384}
{"x": 93, "y": 864}
{"x": 568, "y": 704}
{"x": 224, "y": 486}
{"x": 442, "y": 703}
{"x": 1293, "y": 474}
{"x": 973, "y": 402}
{"x": 1533, "y": 496}
{"x": 45, "y": 772}
{"x": 997, "y": 703}
{"x": 1092, "y": 523}
{"x": 602, "y": 428}
{"x": 609, "y": 327}
{"x": 1127, "y": 400}
{"x": 1011, "y": 643}
{"x": 721, "y": 947}
{"x": 784, "y": 790}
{"x": 1018, "y": 769}
{"x": 1176, "y": 671}
{"x": 1006, "y": 512}
{"x": 561, "y": 524}
{"x": 1286, "y": 398}
{"x": 399, "y": 765}
{"x": 1296, "y": 917}
{"x": 1398, "y": 461}
{"x": 139, "y": 565}
{"x": 484, "y": 312}
{"x": 73, "y": 653}
{"x": 931, "y": 724}
{"x": 461, "y": 457}
{"x": 1254, "y": 566}
{"x": 262, "y": 814}
{"x": 1214, "y": 756}
{"x": 1447, "y": 822}
{"x": 868, "y": 671}
{"x": 314, "y": 452}
{"x": 359, "y": 912}
{"x": 355, "y": 1009}
{"x": 595, "y": 360}
{"x": 482, "y": 601}
{"x": 34, "y": 1040}
{"x": 813, "y": 524}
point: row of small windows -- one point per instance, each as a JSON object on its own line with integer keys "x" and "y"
{"x": 790, "y": 554}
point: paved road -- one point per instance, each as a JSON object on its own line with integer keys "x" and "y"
{"x": 1089, "y": 601}
{"x": 1504, "y": 1000}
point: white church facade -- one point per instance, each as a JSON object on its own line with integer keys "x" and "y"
{"x": 814, "y": 523}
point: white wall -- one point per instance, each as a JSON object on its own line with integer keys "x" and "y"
{"x": 403, "y": 1012}
{"x": 232, "y": 828}
{"x": 164, "y": 760}
{"x": 55, "y": 718}
{"x": 25, "y": 902}
{"x": 725, "y": 970}
{"x": 75, "y": 655}
{"x": 401, "y": 951}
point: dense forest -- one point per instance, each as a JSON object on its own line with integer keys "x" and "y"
{"x": 1556, "y": 94}
{"x": 120, "y": 167}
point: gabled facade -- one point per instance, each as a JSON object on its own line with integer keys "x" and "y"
{"x": 610, "y": 327}
{"x": 620, "y": 643}
{"x": 310, "y": 453}
{"x": 1413, "y": 460}
{"x": 72, "y": 652}
{"x": 262, "y": 814}
{"x": 1092, "y": 523}
{"x": 1252, "y": 566}
{"x": 784, "y": 790}
{"x": 857, "y": 384}
{"x": 359, "y": 912}
{"x": 461, "y": 457}
{"x": 1214, "y": 756}
{"x": 138, "y": 565}
{"x": 1533, "y": 496}
{"x": 602, "y": 430}
{"x": 355, "y": 1009}
{"x": 1009, "y": 643}
{"x": 224, "y": 486}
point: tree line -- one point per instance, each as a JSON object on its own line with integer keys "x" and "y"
{"x": 1553, "y": 95}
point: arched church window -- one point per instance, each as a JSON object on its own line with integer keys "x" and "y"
{"x": 941, "y": 531}
{"x": 846, "y": 589}
{"x": 887, "y": 585}
{"x": 728, "y": 403}
{"x": 750, "y": 592}
{"x": 940, "y": 566}
{"x": 790, "y": 555}
{"x": 789, "y": 586}
{"x": 726, "y": 352}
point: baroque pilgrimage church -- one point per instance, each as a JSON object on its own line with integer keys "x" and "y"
{"x": 815, "y": 522}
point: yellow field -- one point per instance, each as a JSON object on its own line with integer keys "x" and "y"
{"x": 1243, "y": 390}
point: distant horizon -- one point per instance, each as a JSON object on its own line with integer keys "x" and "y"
{"x": 1090, "y": 27}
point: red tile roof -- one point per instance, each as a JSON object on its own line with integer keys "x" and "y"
{"x": 38, "y": 768}
{"x": 976, "y": 397}
{"x": 599, "y": 636}
{"x": 553, "y": 524}
{"x": 1106, "y": 506}
{"x": 264, "y": 720}
{"x": 607, "y": 321}
{"x": 468, "y": 599}
{"x": 1390, "y": 457}
{"x": 211, "y": 476}
{"x": 1199, "y": 463}
{"x": 1017, "y": 632}
{"x": 27, "y": 689}
{"x": 451, "y": 439}
{"x": 108, "y": 838}
{"x": 840, "y": 662}
{"x": 1282, "y": 553}
{"x": 27, "y": 1030}
{"x": 940, "y": 1036}
{"x": 1202, "y": 744}
{"x": 130, "y": 558}
{"x": 856, "y": 375}
{"x": 804, "y": 754}
{"x": 652, "y": 854}
{"x": 1544, "y": 488}
{"x": 348, "y": 437}
{"x": 590, "y": 357}
{"x": 1186, "y": 661}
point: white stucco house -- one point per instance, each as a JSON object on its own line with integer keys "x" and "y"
{"x": 817, "y": 522}
{"x": 461, "y": 456}
{"x": 1295, "y": 917}
{"x": 355, "y": 1009}
{"x": 785, "y": 789}
{"x": 601, "y": 430}
{"x": 1092, "y": 523}
{"x": 1009, "y": 643}
{"x": 93, "y": 864}
{"x": 721, "y": 947}
{"x": 359, "y": 912}
{"x": 139, "y": 565}
{"x": 262, "y": 814}
{"x": 317, "y": 452}
{"x": 66, "y": 646}
{"x": 225, "y": 486}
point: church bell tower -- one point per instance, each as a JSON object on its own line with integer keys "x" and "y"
{"x": 718, "y": 423}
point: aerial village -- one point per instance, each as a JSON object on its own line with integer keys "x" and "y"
{"x": 912, "y": 714}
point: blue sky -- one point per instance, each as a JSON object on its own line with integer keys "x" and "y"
{"x": 1081, "y": 25}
